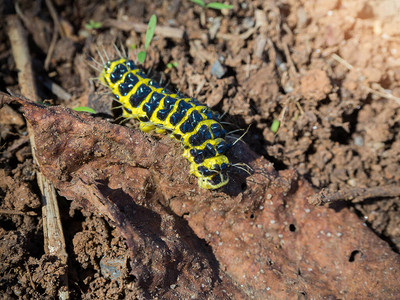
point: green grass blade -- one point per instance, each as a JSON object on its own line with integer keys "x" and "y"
{"x": 199, "y": 2}
{"x": 173, "y": 64}
{"x": 150, "y": 31}
{"x": 141, "y": 57}
{"x": 275, "y": 126}
{"x": 85, "y": 109}
{"x": 217, "y": 5}
{"x": 93, "y": 25}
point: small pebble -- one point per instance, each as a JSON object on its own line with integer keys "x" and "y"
{"x": 218, "y": 70}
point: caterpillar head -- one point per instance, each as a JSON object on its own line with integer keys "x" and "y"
{"x": 114, "y": 70}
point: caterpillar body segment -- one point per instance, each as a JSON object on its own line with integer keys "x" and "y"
{"x": 195, "y": 125}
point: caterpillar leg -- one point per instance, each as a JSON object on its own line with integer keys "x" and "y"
{"x": 147, "y": 127}
{"x": 161, "y": 131}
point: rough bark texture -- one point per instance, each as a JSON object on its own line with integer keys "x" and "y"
{"x": 258, "y": 238}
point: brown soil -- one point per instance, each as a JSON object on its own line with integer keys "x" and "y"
{"x": 329, "y": 71}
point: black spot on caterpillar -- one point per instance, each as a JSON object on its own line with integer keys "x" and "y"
{"x": 194, "y": 124}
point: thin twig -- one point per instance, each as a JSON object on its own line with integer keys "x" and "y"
{"x": 55, "y": 18}
{"x": 30, "y": 276}
{"x": 16, "y": 212}
{"x": 382, "y": 93}
{"x": 57, "y": 30}
{"x": 54, "y": 237}
{"x": 341, "y": 61}
{"x": 326, "y": 196}
{"x": 56, "y": 89}
{"x": 166, "y": 31}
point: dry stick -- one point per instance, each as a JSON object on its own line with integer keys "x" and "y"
{"x": 165, "y": 31}
{"x": 57, "y": 29}
{"x": 53, "y": 234}
{"x": 16, "y": 212}
{"x": 56, "y": 89}
{"x": 326, "y": 196}
{"x": 381, "y": 93}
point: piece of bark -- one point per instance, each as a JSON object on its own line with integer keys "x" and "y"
{"x": 263, "y": 239}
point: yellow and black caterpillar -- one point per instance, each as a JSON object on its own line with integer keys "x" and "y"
{"x": 192, "y": 123}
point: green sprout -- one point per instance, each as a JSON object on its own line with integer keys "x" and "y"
{"x": 213, "y": 5}
{"x": 85, "y": 109}
{"x": 173, "y": 64}
{"x": 275, "y": 126}
{"x": 93, "y": 25}
{"x": 151, "y": 27}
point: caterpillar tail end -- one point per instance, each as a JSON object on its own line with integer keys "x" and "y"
{"x": 212, "y": 184}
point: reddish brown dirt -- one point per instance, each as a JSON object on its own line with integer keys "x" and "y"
{"x": 328, "y": 70}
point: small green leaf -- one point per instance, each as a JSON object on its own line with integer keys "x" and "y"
{"x": 199, "y": 2}
{"x": 173, "y": 64}
{"x": 217, "y": 5}
{"x": 93, "y": 25}
{"x": 275, "y": 126}
{"x": 150, "y": 31}
{"x": 133, "y": 46}
{"x": 141, "y": 57}
{"x": 85, "y": 109}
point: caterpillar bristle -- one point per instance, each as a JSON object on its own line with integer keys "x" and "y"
{"x": 92, "y": 59}
{"x": 124, "y": 119}
{"x": 94, "y": 67}
{"x": 117, "y": 107}
{"x": 227, "y": 123}
{"x": 123, "y": 49}
{"x": 233, "y": 131}
{"x": 118, "y": 52}
{"x": 239, "y": 166}
{"x": 247, "y": 130}
{"x": 103, "y": 94}
{"x": 105, "y": 53}
{"x": 101, "y": 57}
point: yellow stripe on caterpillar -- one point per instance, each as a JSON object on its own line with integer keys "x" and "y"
{"x": 192, "y": 123}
